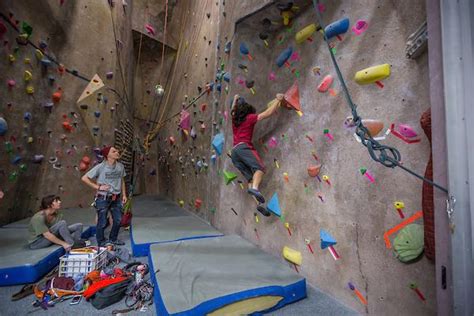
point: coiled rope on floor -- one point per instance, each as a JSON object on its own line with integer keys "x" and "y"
{"x": 386, "y": 155}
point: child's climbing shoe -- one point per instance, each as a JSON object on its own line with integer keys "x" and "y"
{"x": 257, "y": 195}
{"x": 262, "y": 209}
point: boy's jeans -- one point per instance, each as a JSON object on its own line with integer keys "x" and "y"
{"x": 102, "y": 206}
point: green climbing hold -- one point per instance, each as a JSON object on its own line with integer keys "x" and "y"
{"x": 409, "y": 243}
{"x": 12, "y": 177}
{"x": 26, "y": 28}
{"x": 8, "y": 147}
{"x": 229, "y": 177}
{"x": 23, "y": 167}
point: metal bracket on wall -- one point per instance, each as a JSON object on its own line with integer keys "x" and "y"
{"x": 417, "y": 42}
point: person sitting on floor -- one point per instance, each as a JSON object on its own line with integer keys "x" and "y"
{"x": 47, "y": 227}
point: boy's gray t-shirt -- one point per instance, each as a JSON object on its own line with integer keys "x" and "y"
{"x": 106, "y": 174}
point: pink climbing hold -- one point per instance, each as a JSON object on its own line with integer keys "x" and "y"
{"x": 360, "y": 27}
{"x": 407, "y": 131}
{"x": 11, "y": 83}
{"x": 271, "y": 76}
{"x": 150, "y": 29}
{"x": 325, "y": 84}
{"x": 295, "y": 56}
{"x": 272, "y": 142}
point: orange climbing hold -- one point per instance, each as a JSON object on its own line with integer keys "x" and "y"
{"x": 292, "y": 97}
{"x": 56, "y": 97}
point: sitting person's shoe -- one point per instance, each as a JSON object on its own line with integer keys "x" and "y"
{"x": 78, "y": 244}
{"x": 262, "y": 209}
{"x": 257, "y": 195}
{"x": 117, "y": 242}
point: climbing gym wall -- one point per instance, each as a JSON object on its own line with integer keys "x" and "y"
{"x": 338, "y": 207}
{"x": 49, "y": 133}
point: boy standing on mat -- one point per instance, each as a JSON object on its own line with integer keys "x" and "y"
{"x": 244, "y": 156}
{"x": 111, "y": 195}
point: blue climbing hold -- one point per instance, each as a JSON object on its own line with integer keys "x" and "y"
{"x": 16, "y": 160}
{"x": 337, "y": 28}
{"x": 274, "y": 205}
{"x": 227, "y": 77}
{"x": 283, "y": 57}
{"x": 3, "y": 126}
{"x": 45, "y": 62}
{"x": 218, "y": 143}
{"x": 97, "y": 114}
{"x": 27, "y": 116}
{"x": 326, "y": 239}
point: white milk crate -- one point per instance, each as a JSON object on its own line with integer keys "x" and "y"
{"x": 78, "y": 262}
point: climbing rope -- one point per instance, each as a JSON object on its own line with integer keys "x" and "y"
{"x": 388, "y": 156}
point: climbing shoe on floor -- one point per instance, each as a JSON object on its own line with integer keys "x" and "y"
{"x": 262, "y": 209}
{"x": 257, "y": 195}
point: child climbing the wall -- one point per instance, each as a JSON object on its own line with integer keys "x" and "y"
{"x": 244, "y": 156}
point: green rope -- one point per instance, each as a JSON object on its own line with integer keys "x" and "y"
{"x": 388, "y": 156}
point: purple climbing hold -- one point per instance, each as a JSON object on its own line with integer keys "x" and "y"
{"x": 3, "y": 126}
{"x": 109, "y": 75}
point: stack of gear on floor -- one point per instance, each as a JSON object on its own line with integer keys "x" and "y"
{"x": 109, "y": 283}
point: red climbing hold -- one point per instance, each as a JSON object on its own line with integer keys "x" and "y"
{"x": 57, "y": 95}
{"x": 292, "y": 97}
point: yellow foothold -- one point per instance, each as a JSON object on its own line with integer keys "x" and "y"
{"x": 39, "y": 54}
{"x": 30, "y": 140}
{"x": 300, "y": 114}
{"x": 325, "y": 178}
{"x": 181, "y": 203}
{"x": 30, "y": 90}
{"x": 256, "y": 219}
{"x": 27, "y": 61}
{"x": 307, "y": 241}
{"x": 27, "y": 75}
{"x": 11, "y": 58}
{"x": 292, "y": 255}
{"x": 287, "y": 225}
{"x": 399, "y": 204}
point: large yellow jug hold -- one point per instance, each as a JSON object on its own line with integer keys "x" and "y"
{"x": 305, "y": 33}
{"x": 292, "y": 255}
{"x": 372, "y": 74}
{"x": 30, "y": 90}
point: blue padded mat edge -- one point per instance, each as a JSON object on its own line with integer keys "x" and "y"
{"x": 142, "y": 250}
{"x": 29, "y": 273}
{"x": 290, "y": 293}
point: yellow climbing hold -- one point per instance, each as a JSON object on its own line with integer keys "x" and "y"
{"x": 27, "y": 61}
{"x": 292, "y": 255}
{"x": 11, "y": 58}
{"x": 30, "y": 90}
{"x": 27, "y": 75}
{"x": 372, "y": 74}
{"x": 305, "y": 33}
{"x": 39, "y": 54}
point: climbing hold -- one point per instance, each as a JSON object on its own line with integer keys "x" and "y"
{"x": 3, "y": 29}
{"x": 292, "y": 255}
{"x": 274, "y": 205}
{"x": 305, "y": 33}
{"x": 213, "y": 159}
{"x": 61, "y": 69}
{"x": 11, "y": 84}
{"x": 285, "y": 12}
{"x": 284, "y": 56}
{"x": 26, "y": 28}
{"x": 367, "y": 174}
{"x": 399, "y": 206}
{"x": 56, "y": 97}
{"x": 171, "y": 140}
{"x": 229, "y": 177}
{"x": 67, "y": 126}
{"x": 218, "y": 143}
{"x": 8, "y": 147}
{"x": 226, "y": 77}
{"x": 373, "y": 75}
{"x": 313, "y": 171}
{"x": 150, "y": 29}
{"x": 292, "y": 97}
{"x": 30, "y": 90}
{"x": 197, "y": 203}
{"x": 97, "y": 114}
{"x": 328, "y": 135}
{"x": 109, "y": 75}
{"x": 185, "y": 121}
{"x": 39, "y": 54}
{"x": 16, "y": 160}
{"x": 264, "y": 36}
{"x": 43, "y": 44}
{"x": 409, "y": 243}
{"x": 360, "y": 27}
{"x": 95, "y": 84}
{"x": 249, "y": 84}
{"x": 27, "y": 76}
{"x": 407, "y": 131}
{"x": 37, "y": 158}
{"x": 45, "y": 62}
{"x": 51, "y": 79}
{"x": 337, "y": 28}
{"x": 12, "y": 177}
{"x": 374, "y": 126}
{"x": 227, "y": 47}
{"x": 327, "y": 241}
{"x": 27, "y": 116}
{"x": 245, "y": 51}
{"x": 3, "y": 126}
{"x": 325, "y": 84}
{"x": 181, "y": 203}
